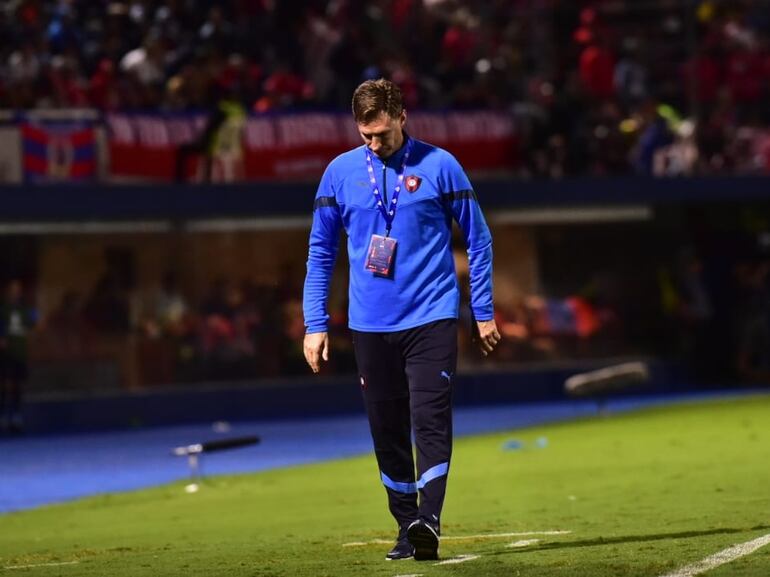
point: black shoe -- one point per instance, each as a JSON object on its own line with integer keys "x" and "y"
{"x": 402, "y": 550}
{"x": 424, "y": 537}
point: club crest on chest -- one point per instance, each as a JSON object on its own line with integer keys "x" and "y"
{"x": 412, "y": 182}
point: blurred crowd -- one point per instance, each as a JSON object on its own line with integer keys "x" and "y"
{"x": 598, "y": 87}
{"x": 712, "y": 312}
{"x": 708, "y": 305}
{"x": 239, "y": 329}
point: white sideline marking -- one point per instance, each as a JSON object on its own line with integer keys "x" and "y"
{"x": 725, "y": 556}
{"x": 372, "y": 542}
{"x": 504, "y": 535}
{"x": 523, "y": 543}
{"x": 464, "y": 537}
{"x": 410, "y": 575}
{"x": 458, "y": 559}
{"x": 41, "y": 565}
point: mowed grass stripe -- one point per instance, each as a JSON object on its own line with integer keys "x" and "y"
{"x": 643, "y": 494}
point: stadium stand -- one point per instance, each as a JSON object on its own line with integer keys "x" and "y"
{"x": 652, "y": 87}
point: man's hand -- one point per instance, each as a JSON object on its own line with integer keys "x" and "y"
{"x": 316, "y": 347}
{"x": 488, "y": 336}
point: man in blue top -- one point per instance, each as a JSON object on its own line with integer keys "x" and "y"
{"x": 396, "y": 198}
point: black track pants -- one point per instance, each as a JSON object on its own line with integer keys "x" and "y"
{"x": 406, "y": 379}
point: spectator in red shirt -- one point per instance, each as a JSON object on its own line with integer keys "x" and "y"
{"x": 597, "y": 70}
{"x": 68, "y": 88}
{"x": 103, "y": 92}
{"x": 743, "y": 74}
{"x": 704, "y": 70}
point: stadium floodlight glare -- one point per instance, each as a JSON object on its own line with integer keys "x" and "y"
{"x": 194, "y": 451}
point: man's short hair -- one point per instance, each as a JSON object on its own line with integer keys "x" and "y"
{"x": 374, "y": 97}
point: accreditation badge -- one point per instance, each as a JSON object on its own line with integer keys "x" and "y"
{"x": 379, "y": 257}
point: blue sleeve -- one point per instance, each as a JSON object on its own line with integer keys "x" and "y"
{"x": 322, "y": 253}
{"x": 478, "y": 240}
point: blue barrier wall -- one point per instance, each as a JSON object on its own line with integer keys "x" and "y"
{"x": 125, "y": 202}
{"x": 310, "y": 397}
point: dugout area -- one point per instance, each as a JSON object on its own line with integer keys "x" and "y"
{"x": 595, "y": 281}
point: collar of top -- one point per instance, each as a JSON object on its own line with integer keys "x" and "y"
{"x": 395, "y": 158}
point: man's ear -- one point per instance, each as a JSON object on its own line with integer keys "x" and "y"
{"x": 403, "y": 118}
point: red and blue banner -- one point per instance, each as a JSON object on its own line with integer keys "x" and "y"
{"x": 285, "y": 146}
{"x": 58, "y": 151}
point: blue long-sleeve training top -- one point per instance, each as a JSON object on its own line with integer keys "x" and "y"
{"x": 422, "y": 286}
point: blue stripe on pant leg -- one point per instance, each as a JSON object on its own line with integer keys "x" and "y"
{"x": 397, "y": 486}
{"x": 433, "y": 473}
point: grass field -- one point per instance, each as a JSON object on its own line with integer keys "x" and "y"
{"x": 640, "y": 494}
